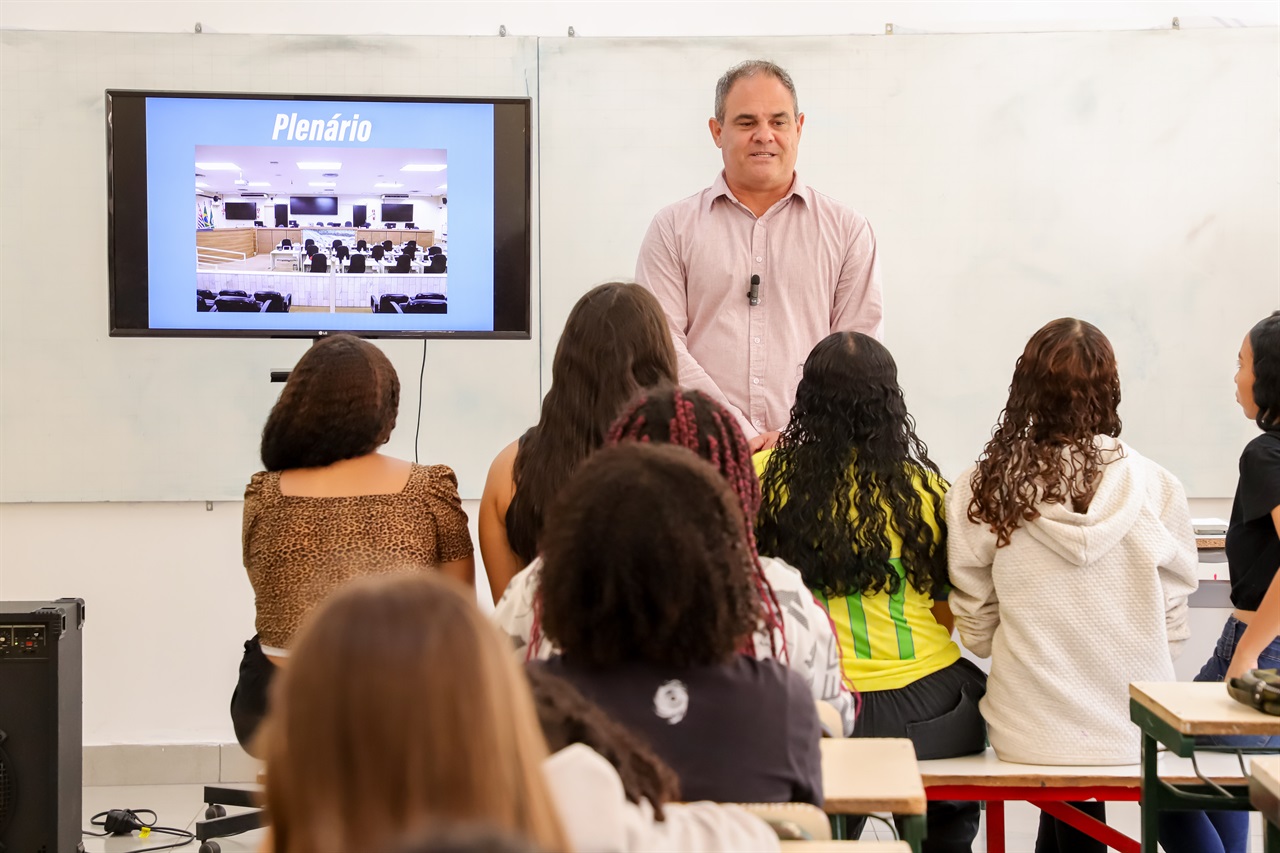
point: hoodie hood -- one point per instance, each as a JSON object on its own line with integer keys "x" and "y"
{"x": 1081, "y": 538}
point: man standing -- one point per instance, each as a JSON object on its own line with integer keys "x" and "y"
{"x": 757, "y": 269}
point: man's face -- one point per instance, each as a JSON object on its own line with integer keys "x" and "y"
{"x": 760, "y": 135}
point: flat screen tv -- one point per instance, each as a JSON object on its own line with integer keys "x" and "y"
{"x": 170, "y": 274}
{"x": 240, "y": 210}
{"x": 313, "y": 205}
{"x": 397, "y": 213}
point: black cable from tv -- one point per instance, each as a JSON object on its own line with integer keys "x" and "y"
{"x": 127, "y": 821}
{"x": 417, "y": 425}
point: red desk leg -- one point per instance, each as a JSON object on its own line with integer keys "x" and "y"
{"x": 1090, "y": 826}
{"x": 995, "y": 826}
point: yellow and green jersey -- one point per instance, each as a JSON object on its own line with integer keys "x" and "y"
{"x": 888, "y": 641}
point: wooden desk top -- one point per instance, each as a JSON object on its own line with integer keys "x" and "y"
{"x": 986, "y": 770}
{"x": 861, "y": 775}
{"x": 845, "y": 847}
{"x": 1264, "y": 786}
{"x": 1265, "y": 769}
{"x": 1201, "y": 708}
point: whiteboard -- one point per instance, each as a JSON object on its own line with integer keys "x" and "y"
{"x": 1127, "y": 178}
{"x": 85, "y": 417}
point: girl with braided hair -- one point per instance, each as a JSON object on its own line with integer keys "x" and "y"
{"x": 852, "y": 498}
{"x": 793, "y": 629}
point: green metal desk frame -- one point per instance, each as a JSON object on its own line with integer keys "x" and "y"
{"x": 1158, "y": 795}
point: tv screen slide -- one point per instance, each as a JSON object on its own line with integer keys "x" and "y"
{"x": 300, "y": 215}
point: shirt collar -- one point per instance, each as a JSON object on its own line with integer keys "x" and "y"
{"x": 720, "y": 189}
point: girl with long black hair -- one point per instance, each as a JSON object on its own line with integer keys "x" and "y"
{"x": 852, "y": 499}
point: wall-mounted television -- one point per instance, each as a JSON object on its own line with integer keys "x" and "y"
{"x": 397, "y": 212}
{"x": 313, "y": 205}
{"x": 239, "y": 210}
{"x": 171, "y": 274}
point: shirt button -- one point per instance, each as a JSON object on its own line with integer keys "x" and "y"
{"x": 759, "y": 260}
{"x": 756, "y": 340}
{"x": 755, "y": 380}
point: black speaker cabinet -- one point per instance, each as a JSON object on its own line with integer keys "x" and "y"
{"x": 40, "y": 725}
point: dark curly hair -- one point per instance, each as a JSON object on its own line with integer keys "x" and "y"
{"x": 645, "y": 559}
{"x": 340, "y": 402}
{"x": 1264, "y": 340}
{"x": 568, "y": 717}
{"x": 690, "y": 419}
{"x": 1065, "y": 391}
{"x": 615, "y": 342}
{"x": 848, "y": 468}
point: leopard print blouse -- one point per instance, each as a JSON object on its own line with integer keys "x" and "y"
{"x": 298, "y": 549}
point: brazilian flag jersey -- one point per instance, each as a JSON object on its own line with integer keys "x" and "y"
{"x": 888, "y": 641}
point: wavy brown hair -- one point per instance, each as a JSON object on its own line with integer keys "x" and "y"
{"x": 340, "y": 402}
{"x": 402, "y": 709}
{"x": 645, "y": 560}
{"x": 615, "y": 342}
{"x": 1065, "y": 392}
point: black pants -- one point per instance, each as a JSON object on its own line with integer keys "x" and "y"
{"x": 1058, "y": 837}
{"x": 249, "y": 700}
{"x": 939, "y": 713}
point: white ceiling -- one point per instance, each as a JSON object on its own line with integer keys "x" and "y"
{"x": 361, "y": 169}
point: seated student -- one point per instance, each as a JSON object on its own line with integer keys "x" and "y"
{"x": 1251, "y": 637}
{"x": 330, "y": 506}
{"x": 795, "y": 630}
{"x": 399, "y": 711}
{"x": 1071, "y": 559}
{"x": 614, "y": 343}
{"x": 626, "y": 802}
{"x": 650, "y": 592}
{"x": 852, "y": 498}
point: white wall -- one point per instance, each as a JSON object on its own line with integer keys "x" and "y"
{"x": 168, "y": 602}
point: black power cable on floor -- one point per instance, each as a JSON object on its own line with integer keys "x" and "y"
{"x": 127, "y": 821}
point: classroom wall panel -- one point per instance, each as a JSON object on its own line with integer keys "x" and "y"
{"x": 86, "y": 417}
{"x": 1126, "y": 178}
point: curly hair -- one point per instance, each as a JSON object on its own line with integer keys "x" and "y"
{"x": 615, "y": 342}
{"x": 691, "y": 419}
{"x": 848, "y": 469}
{"x": 1065, "y": 392}
{"x": 340, "y": 402}
{"x": 645, "y": 559}
{"x": 568, "y": 717}
{"x": 1264, "y": 340}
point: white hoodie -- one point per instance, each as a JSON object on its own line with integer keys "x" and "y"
{"x": 1075, "y": 607}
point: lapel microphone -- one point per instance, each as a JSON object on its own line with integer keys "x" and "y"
{"x": 753, "y": 295}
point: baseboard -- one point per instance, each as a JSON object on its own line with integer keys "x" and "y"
{"x": 168, "y": 764}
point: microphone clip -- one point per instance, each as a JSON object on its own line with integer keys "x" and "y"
{"x": 753, "y": 295}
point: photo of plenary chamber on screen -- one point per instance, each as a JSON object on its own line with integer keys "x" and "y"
{"x": 321, "y": 229}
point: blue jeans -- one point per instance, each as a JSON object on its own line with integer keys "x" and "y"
{"x": 1219, "y": 832}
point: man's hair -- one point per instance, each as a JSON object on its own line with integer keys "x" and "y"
{"x": 646, "y": 560}
{"x": 751, "y": 68}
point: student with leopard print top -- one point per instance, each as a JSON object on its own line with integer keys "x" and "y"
{"x": 330, "y": 507}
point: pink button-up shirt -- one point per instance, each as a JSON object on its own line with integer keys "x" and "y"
{"x": 816, "y": 259}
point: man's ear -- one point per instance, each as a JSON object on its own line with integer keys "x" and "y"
{"x": 716, "y": 129}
